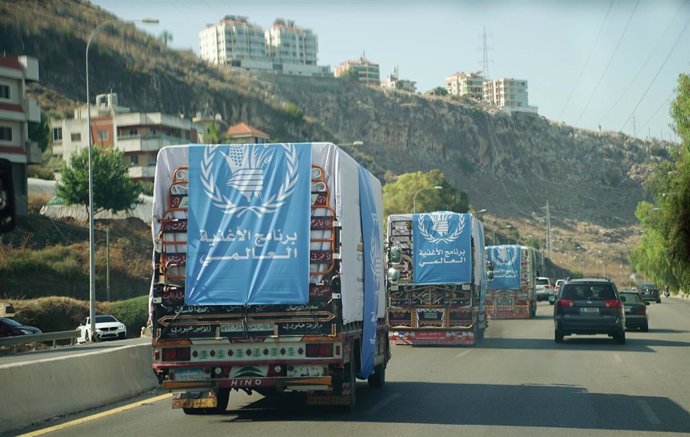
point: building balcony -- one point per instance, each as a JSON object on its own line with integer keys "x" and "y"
{"x": 147, "y": 143}
{"x": 142, "y": 172}
{"x": 33, "y": 111}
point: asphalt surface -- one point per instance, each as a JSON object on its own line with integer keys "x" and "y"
{"x": 516, "y": 382}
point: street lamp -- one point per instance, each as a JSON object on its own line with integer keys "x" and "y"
{"x": 92, "y": 255}
{"x": 414, "y": 198}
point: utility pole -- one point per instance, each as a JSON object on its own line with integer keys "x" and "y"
{"x": 548, "y": 229}
{"x": 107, "y": 262}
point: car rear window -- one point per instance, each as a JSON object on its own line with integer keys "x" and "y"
{"x": 542, "y": 281}
{"x": 630, "y": 298}
{"x": 588, "y": 292}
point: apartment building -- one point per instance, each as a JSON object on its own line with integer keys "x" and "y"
{"x": 139, "y": 135}
{"x": 367, "y": 72}
{"x": 16, "y": 112}
{"x": 466, "y": 84}
{"x": 285, "y": 48}
{"x": 510, "y": 95}
{"x": 393, "y": 82}
{"x": 235, "y": 42}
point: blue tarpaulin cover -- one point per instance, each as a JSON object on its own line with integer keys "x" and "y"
{"x": 442, "y": 248}
{"x": 506, "y": 260}
{"x": 249, "y": 224}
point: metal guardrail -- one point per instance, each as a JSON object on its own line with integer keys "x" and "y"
{"x": 39, "y": 338}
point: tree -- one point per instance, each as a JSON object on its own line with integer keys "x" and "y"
{"x": 165, "y": 37}
{"x": 438, "y": 91}
{"x": 398, "y": 196}
{"x": 213, "y": 135}
{"x": 663, "y": 253}
{"x": 40, "y": 132}
{"x": 112, "y": 188}
{"x": 350, "y": 74}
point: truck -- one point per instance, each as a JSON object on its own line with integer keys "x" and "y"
{"x": 268, "y": 274}
{"x": 511, "y": 292}
{"x": 436, "y": 278}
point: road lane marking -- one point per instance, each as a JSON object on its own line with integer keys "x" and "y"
{"x": 618, "y": 358}
{"x": 96, "y": 416}
{"x": 648, "y": 412}
{"x": 463, "y": 353}
{"x": 375, "y": 409}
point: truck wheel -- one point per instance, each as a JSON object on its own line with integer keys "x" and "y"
{"x": 378, "y": 378}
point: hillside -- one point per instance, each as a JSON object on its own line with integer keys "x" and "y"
{"x": 509, "y": 165}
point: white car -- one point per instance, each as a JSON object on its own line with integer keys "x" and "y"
{"x": 543, "y": 288}
{"x": 107, "y": 328}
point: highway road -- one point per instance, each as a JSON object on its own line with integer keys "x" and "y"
{"x": 516, "y": 382}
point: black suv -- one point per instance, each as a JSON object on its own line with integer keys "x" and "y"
{"x": 589, "y": 306}
{"x": 649, "y": 293}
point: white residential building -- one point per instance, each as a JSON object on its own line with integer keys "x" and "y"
{"x": 287, "y": 43}
{"x": 466, "y": 84}
{"x": 393, "y": 81}
{"x": 367, "y": 72}
{"x": 16, "y": 111}
{"x": 285, "y": 48}
{"x": 510, "y": 95}
{"x": 235, "y": 42}
{"x": 139, "y": 135}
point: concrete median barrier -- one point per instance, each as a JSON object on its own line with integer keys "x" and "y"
{"x": 36, "y": 391}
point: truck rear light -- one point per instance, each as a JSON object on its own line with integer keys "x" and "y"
{"x": 176, "y": 354}
{"x": 613, "y": 303}
{"x": 566, "y": 303}
{"x": 276, "y": 371}
{"x": 319, "y": 350}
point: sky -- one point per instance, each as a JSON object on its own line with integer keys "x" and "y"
{"x": 612, "y": 64}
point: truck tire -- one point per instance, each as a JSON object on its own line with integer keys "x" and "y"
{"x": 351, "y": 379}
{"x": 378, "y": 378}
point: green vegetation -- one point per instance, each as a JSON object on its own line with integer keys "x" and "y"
{"x": 663, "y": 253}
{"x": 55, "y": 313}
{"x": 113, "y": 189}
{"x": 399, "y": 196}
{"x": 294, "y": 112}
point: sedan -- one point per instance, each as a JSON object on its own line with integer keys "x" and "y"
{"x": 635, "y": 311}
{"x": 10, "y": 327}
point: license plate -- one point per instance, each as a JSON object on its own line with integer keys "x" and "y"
{"x": 628, "y": 311}
{"x": 589, "y": 310}
{"x": 195, "y": 403}
{"x": 189, "y": 375}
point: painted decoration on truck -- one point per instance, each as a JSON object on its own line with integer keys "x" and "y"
{"x": 373, "y": 270}
{"x": 506, "y": 260}
{"x": 442, "y": 248}
{"x": 248, "y": 227}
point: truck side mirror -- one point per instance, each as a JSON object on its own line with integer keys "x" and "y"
{"x": 7, "y": 208}
{"x": 395, "y": 255}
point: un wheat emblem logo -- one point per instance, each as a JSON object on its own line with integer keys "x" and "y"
{"x": 248, "y": 169}
{"x": 504, "y": 255}
{"x": 439, "y": 224}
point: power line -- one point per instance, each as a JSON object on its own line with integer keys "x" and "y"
{"x": 651, "y": 54}
{"x": 601, "y": 79}
{"x": 668, "y": 99}
{"x": 589, "y": 57}
{"x": 658, "y": 72}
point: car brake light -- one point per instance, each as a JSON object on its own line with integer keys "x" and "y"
{"x": 547, "y": 286}
{"x": 176, "y": 354}
{"x": 566, "y": 303}
{"x": 613, "y": 303}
